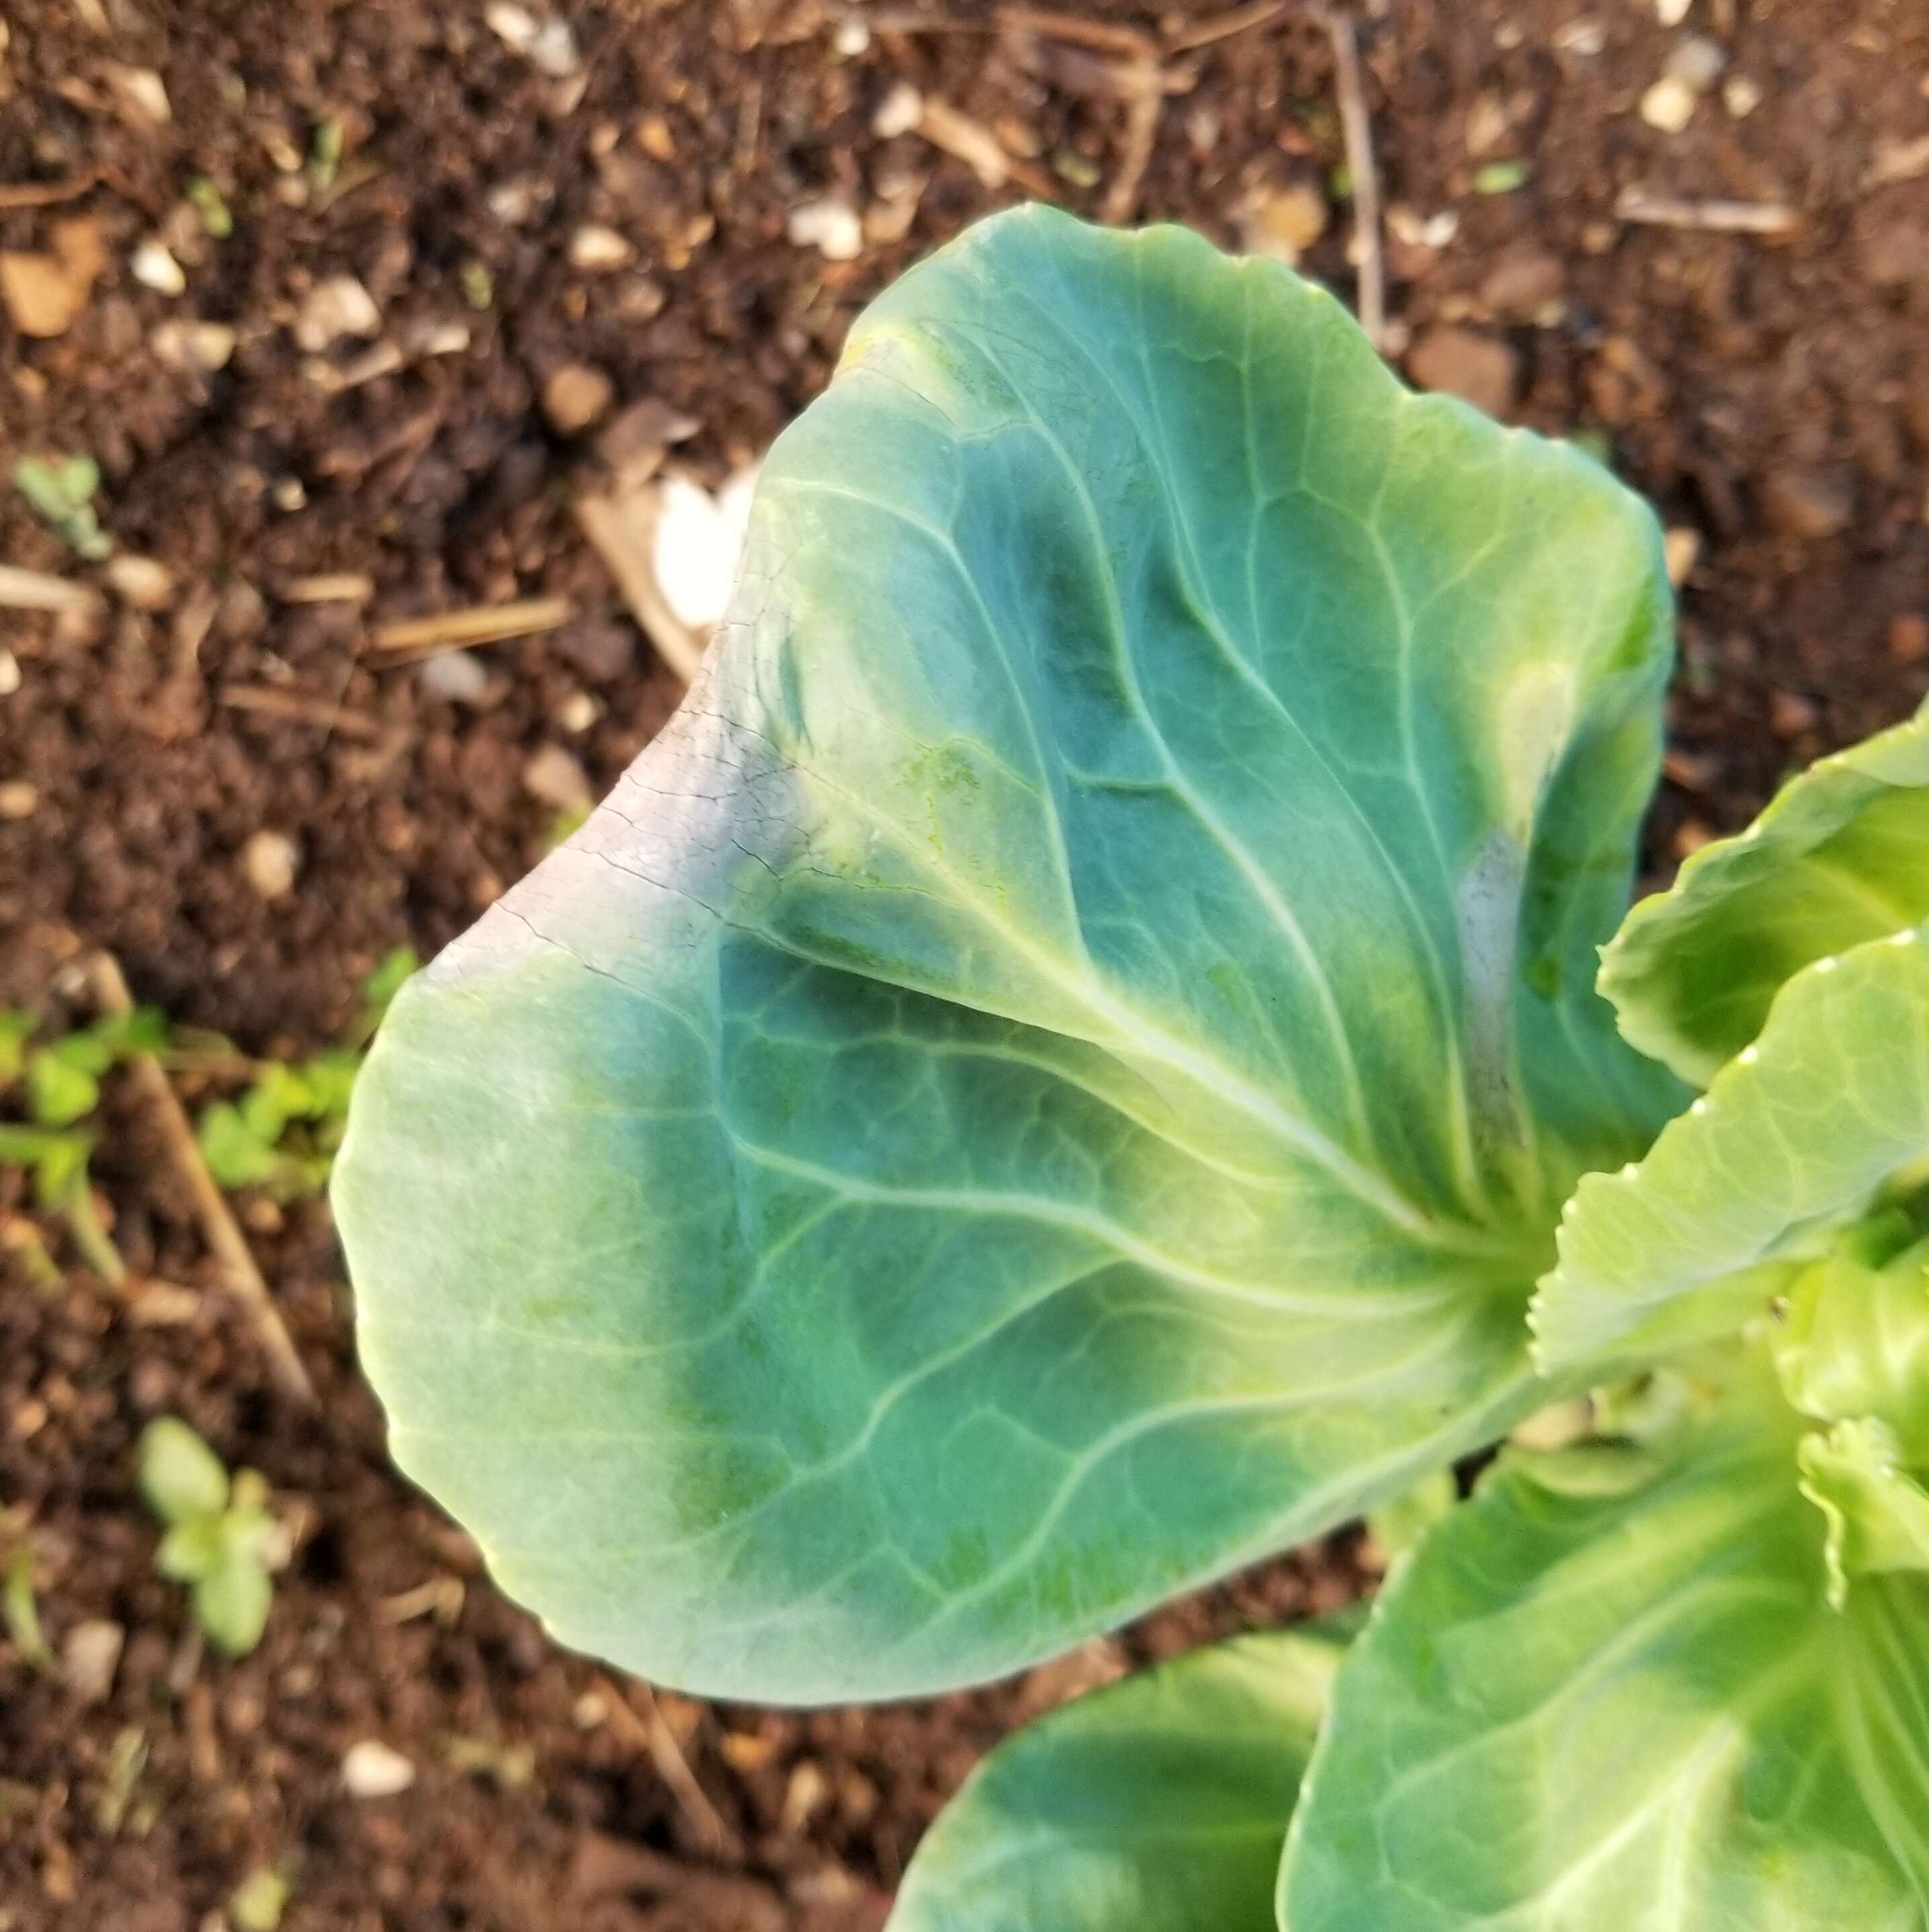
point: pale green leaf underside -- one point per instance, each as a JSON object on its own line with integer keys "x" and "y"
{"x": 1159, "y": 1805}
{"x": 1840, "y": 857}
{"x": 1052, "y": 1076}
{"x": 1854, "y": 1343}
{"x": 1603, "y": 1706}
{"x": 1796, "y": 1133}
{"x": 1877, "y": 1514}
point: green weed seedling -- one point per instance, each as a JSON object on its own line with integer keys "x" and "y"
{"x": 57, "y": 1084}
{"x": 221, "y": 1542}
{"x": 282, "y": 1133}
{"x": 60, "y": 490}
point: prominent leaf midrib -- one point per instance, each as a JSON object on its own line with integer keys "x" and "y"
{"x": 1261, "y": 885}
{"x": 1002, "y": 1204}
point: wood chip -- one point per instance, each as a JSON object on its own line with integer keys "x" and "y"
{"x": 479, "y": 624}
{"x": 341, "y": 587}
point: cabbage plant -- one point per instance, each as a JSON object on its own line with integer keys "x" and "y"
{"x": 1081, "y": 1058}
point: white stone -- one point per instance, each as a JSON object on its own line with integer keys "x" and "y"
{"x": 154, "y": 267}
{"x": 699, "y": 544}
{"x": 830, "y": 226}
{"x": 372, "y": 1769}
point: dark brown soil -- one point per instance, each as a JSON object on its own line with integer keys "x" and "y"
{"x": 1770, "y": 395}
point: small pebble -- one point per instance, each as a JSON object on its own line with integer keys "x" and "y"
{"x": 1673, "y": 13}
{"x": 141, "y": 93}
{"x": 576, "y": 396}
{"x": 1281, "y": 224}
{"x": 371, "y": 1769}
{"x": 1669, "y": 105}
{"x": 89, "y": 1658}
{"x": 1790, "y": 715}
{"x": 830, "y": 226}
{"x": 144, "y": 582}
{"x": 1741, "y": 96}
{"x": 1584, "y": 38}
{"x": 578, "y": 712}
{"x": 852, "y": 38}
{"x": 270, "y": 861}
{"x": 1681, "y": 546}
{"x": 154, "y": 267}
{"x": 554, "y": 50}
{"x": 201, "y": 347}
{"x": 19, "y": 800}
{"x": 9, "y": 673}
{"x": 1697, "y": 62}
{"x": 338, "y": 306}
{"x": 554, "y": 776}
{"x": 1526, "y": 283}
{"x": 898, "y": 113}
{"x": 594, "y": 248}
{"x": 456, "y": 677}
{"x": 1908, "y": 638}
{"x": 1481, "y": 369}
{"x": 1811, "y": 504}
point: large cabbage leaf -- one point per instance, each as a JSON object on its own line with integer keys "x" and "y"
{"x": 1160, "y": 1804}
{"x": 1053, "y": 1074}
{"x": 1840, "y": 857}
{"x": 1607, "y": 1694}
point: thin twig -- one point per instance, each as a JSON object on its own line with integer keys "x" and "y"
{"x": 654, "y": 1735}
{"x": 1356, "y": 125}
{"x": 1141, "y": 132}
{"x": 1720, "y": 218}
{"x": 1132, "y": 42}
{"x": 43, "y": 194}
{"x": 267, "y": 702}
{"x": 1223, "y": 26}
{"x": 480, "y": 624}
{"x": 218, "y": 1227}
{"x": 622, "y": 528}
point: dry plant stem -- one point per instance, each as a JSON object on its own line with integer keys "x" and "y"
{"x": 1356, "y": 125}
{"x": 39, "y": 590}
{"x": 656, "y": 1738}
{"x": 218, "y": 1227}
{"x": 95, "y": 1244}
{"x": 267, "y": 702}
{"x": 1129, "y": 41}
{"x": 974, "y": 144}
{"x": 1141, "y": 130}
{"x": 623, "y": 530}
{"x": 1720, "y": 218}
{"x": 480, "y": 624}
{"x": 1223, "y": 26}
{"x": 42, "y": 194}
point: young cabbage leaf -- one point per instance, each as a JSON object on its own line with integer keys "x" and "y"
{"x": 1840, "y": 857}
{"x": 1160, "y": 1803}
{"x": 1053, "y": 1074}
{"x": 1796, "y": 1134}
{"x": 1606, "y": 1693}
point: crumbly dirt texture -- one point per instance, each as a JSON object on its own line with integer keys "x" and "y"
{"x": 547, "y": 226}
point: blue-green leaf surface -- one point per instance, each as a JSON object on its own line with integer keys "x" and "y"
{"x": 1797, "y": 1134}
{"x": 1607, "y": 1695}
{"x": 1053, "y": 1074}
{"x": 1160, "y": 1805}
{"x": 1840, "y": 857}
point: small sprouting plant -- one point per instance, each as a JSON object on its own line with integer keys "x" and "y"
{"x": 281, "y": 1133}
{"x": 1084, "y": 1055}
{"x": 56, "y": 1084}
{"x": 220, "y": 1540}
{"x": 60, "y": 490}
